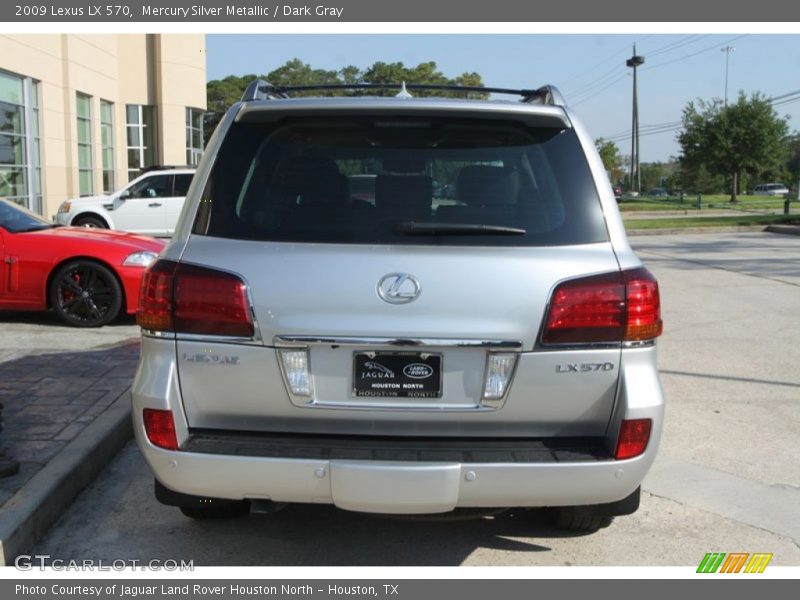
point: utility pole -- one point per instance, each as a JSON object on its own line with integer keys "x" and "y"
{"x": 635, "y": 177}
{"x": 727, "y": 50}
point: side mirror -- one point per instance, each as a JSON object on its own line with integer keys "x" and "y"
{"x": 124, "y": 195}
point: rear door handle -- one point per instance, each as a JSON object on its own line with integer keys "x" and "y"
{"x": 154, "y": 204}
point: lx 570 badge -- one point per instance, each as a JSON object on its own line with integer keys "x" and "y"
{"x": 584, "y": 367}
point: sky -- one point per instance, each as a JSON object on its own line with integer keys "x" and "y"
{"x": 589, "y": 70}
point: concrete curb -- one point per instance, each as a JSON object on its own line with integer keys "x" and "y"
{"x": 787, "y": 229}
{"x": 42, "y": 500}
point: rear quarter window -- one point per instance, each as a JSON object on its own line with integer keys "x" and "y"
{"x": 401, "y": 180}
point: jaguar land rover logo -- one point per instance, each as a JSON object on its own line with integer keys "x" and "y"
{"x": 398, "y": 288}
{"x": 417, "y": 371}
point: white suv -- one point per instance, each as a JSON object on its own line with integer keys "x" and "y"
{"x": 149, "y": 204}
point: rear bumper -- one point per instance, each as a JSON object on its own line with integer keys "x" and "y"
{"x": 399, "y": 486}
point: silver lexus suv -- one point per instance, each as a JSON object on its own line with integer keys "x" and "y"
{"x": 400, "y": 304}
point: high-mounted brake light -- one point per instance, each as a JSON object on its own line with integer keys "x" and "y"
{"x": 611, "y": 307}
{"x": 190, "y": 299}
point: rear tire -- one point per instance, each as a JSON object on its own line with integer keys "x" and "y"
{"x": 232, "y": 510}
{"x": 90, "y": 223}
{"x": 570, "y": 520}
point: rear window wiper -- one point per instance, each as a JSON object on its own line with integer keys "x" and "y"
{"x": 427, "y": 228}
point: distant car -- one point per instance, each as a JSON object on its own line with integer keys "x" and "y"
{"x": 658, "y": 193}
{"x": 770, "y": 189}
{"x": 149, "y": 204}
{"x": 88, "y": 277}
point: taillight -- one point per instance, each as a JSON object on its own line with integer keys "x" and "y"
{"x": 190, "y": 299}
{"x": 159, "y": 426}
{"x": 610, "y": 307}
{"x": 155, "y": 297}
{"x": 644, "y": 306}
{"x": 633, "y": 437}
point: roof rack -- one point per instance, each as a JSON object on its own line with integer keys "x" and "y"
{"x": 263, "y": 90}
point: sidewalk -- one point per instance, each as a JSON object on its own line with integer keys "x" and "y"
{"x": 67, "y": 412}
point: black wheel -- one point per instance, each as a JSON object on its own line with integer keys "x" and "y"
{"x": 85, "y": 294}
{"x": 571, "y": 520}
{"x": 90, "y": 223}
{"x": 229, "y": 510}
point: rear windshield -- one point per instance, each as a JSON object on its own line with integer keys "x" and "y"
{"x": 395, "y": 180}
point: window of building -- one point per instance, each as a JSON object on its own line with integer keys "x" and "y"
{"x": 107, "y": 144}
{"x": 194, "y": 136}
{"x": 20, "y": 170}
{"x": 83, "y": 109}
{"x": 141, "y": 126}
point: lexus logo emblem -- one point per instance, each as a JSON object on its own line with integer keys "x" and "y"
{"x": 398, "y": 288}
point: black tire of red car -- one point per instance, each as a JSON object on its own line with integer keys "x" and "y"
{"x": 84, "y": 293}
{"x": 571, "y": 520}
{"x": 90, "y": 223}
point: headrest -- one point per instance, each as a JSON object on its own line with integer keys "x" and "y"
{"x": 485, "y": 185}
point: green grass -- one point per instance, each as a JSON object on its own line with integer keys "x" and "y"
{"x": 736, "y": 221}
{"x": 654, "y": 205}
{"x": 690, "y": 203}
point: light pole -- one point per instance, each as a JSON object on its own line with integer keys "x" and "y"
{"x": 635, "y": 177}
{"x": 727, "y": 50}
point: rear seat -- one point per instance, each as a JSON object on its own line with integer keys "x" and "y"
{"x": 404, "y": 196}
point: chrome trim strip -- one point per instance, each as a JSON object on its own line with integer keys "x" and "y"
{"x": 218, "y": 339}
{"x": 575, "y": 346}
{"x": 303, "y": 340}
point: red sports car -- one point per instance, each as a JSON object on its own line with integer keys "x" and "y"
{"x": 86, "y": 276}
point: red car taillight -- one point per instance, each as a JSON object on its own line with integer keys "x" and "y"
{"x": 633, "y": 437}
{"x": 610, "y": 307}
{"x": 159, "y": 426}
{"x": 190, "y": 299}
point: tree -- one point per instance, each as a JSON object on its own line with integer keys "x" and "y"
{"x": 793, "y": 164}
{"x": 222, "y": 93}
{"x": 656, "y": 175}
{"x": 612, "y": 159}
{"x": 745, "y": 136}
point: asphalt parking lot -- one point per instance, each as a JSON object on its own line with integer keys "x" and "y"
{"x": 727, "y": 477}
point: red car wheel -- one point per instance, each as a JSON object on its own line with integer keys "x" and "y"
{"x": 85, "y": 294}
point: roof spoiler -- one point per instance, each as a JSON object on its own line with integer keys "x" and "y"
{"x": 263, "y": 90}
